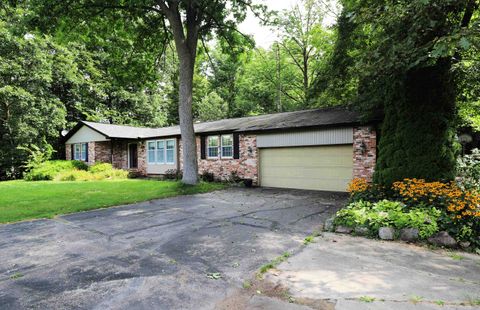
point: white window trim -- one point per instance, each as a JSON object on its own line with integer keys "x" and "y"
{"x": 212, "y": 147}
{"x": 81, "y": 152}
{"x": 154, "y": 152}
{"x": 165, "y": 162}
{"x": 165, "y": 150}
{"x": 221, "y": 147}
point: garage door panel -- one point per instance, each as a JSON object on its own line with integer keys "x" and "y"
{"x": 313, "y": 162}
{"x": 310, "y": 172}
{"x": 317, "y": 168}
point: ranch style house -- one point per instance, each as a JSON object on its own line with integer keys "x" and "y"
{"x": 320, "y": 149}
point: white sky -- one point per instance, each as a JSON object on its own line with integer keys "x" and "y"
{"x": 264, "y": 36}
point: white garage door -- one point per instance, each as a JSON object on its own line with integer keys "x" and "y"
{"x": 327, "y": 168}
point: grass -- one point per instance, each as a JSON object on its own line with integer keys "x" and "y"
{"x": 274, "y": 263}
{"x": 22, "y": 200}
{"x": 16, "y": 275}
{"x": 416, "y": 299}
{"x": 367, "y": 298}
{"x": 456, "y": 256}
{"x": 311, "y": 238}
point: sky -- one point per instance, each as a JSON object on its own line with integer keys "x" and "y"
{"x": 265, "y": 36}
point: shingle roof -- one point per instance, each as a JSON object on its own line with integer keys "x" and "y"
{"x": 324, "y": 117}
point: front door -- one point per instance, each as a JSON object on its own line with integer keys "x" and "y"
{"x": 132, "y": 156}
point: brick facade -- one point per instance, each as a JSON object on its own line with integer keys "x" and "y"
{"x": 101, "y": 152}
{"x": 246, "y": 167}
{"x": 68, "y": 151}
{"x": 364, "y": 152}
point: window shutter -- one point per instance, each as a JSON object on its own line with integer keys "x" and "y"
{"x": 86, "y": 156}
{"x": 236, "y": 146}
{"x": 203, "y": 144}
{"x": 72, "y": 152}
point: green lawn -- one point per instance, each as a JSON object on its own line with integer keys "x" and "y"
{"x": 21, "y": 200}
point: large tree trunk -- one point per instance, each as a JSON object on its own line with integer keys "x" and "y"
{"x": 186, "y": 39}
{"x": 190, "y": 165}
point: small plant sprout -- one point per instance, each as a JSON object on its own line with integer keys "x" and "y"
{"x": 456, "y": 256}
{"x": 274, "y": 263}
{"x": 415, "y": 299}
{"x": 308, "y": 240}
{"x": 214, "y": 275}
{"x": 367, "y": 298}
{"x": 16, "y": 275}
{"x": 440, "y": 302}
{"x": 246, "y": 284}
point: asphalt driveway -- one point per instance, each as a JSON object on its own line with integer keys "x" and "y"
{"x": 157, "y": 254}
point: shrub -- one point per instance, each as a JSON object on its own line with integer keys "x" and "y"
{"x": 173, "y": 174}
{"x": 207, "y": 176}
{"x": 361, "y": 189}
{"x": 73, "y": 170}
{"x": 50, "y": 169}
{"x": 100, "y": 167}
{"x": 76, "y": 175}
{"x": 468, "y": 171}
{"x": 386, "y": 213}
{"x": 457, "y": 203}
{"x": 37, "y": 155}
{"x": 457, "y": 207}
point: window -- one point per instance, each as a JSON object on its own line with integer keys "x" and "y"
{"x": 212, "y": 150}
{"x": 161, "y": 151}
{"x": 151, "y": 152}
{"x": 80, "y": 151}
{"x": 170, "y": 152}
{"x": 227, "y": 146}
{"x": 220, "y": 146}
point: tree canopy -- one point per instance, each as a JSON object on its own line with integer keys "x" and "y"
{"x": 157, "y": 63}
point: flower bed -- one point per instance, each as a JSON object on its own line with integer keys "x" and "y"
{"x": 427, "y": 207}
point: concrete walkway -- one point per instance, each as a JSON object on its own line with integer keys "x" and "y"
{"x": 356, "y": 273}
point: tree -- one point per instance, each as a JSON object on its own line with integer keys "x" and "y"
{"x": 184, "y": 22}
{"x": 48, "y": 82}
{"x": 29, "y": 112}
{"x": 405, "y": 68}
{"x": 212, "y": 107}
{"x": 305, "y": 41}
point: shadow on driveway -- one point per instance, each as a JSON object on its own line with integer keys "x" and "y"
{"x": 156, "y": 254}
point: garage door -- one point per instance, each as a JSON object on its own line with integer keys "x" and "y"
{"x": 315, "y": 167}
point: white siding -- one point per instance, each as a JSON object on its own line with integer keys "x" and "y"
{"x": 84, "y": 135}
{"x": 160, "y": 168}
{"x": 330, "y": 136}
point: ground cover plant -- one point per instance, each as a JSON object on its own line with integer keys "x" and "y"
{"x": 415, "y": 203}
{"x": 22, "y": 200}
{"x": 73, "y": 170}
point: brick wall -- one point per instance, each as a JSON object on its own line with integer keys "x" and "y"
{"x": 142, "y": 157}
{"x": 120, "y": 159}
{"x": 245, "y": 167}
{"x": 91, "y": 153}
{"x": 364, "y": 152}
{"x": 101, "y": 152}
{"x": 68, "y": 151}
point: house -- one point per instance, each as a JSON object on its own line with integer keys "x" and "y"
{"x": 320, "y": 149}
